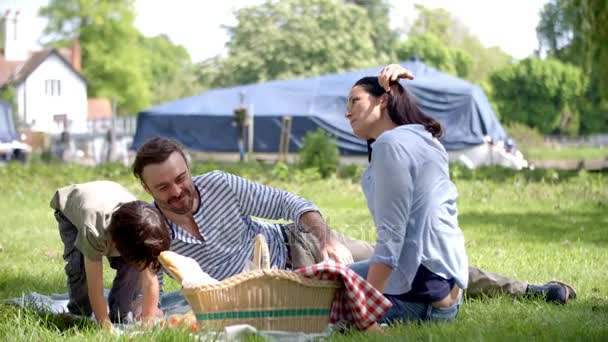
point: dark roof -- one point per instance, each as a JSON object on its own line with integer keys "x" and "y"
{"x": 7, "y": 69}
{"x": 35, "y": 60}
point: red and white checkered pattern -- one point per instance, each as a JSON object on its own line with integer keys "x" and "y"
{"x": 357, "y": 302}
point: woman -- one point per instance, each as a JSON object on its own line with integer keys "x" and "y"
{"x": 419, "y": 262}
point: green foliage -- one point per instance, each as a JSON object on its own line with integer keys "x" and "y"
{"x": 7, "y": 94}
{"x": 524, "y": 135}
{"x": 573, "y": 31}
{"x": 591, "y": 24}
{"x": 555, "y": 30}
{"x": 351, "y": 171}
{"x": 320, "y": 150}
{"x": 432, "y": 51}
{"x": 488, "y": 90}
{"x": 170, "y": 70}
{"x": 117, "y": 60}
{"x": 470, "y": 58}
{"x": 384, "y": 38}
{"x": 240, "y": 116}
{"x": 539, "y": 94}
{"x": 593, "y": 108}
{"x": 111, "y": 57}
{"x": 282, "y": 172}
{"x": 289, "y": 38}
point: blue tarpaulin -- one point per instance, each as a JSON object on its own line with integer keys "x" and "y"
{"x": 205, "y": 122}
{"x": 7, "y": 126}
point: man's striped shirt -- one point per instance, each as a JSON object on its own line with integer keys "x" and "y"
{"x": 224, "y": 219}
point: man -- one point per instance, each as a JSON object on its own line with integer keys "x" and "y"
{"x": 210, "y": 216}
{"x": 210, "y": 220}
{"x": 85, "y": 214}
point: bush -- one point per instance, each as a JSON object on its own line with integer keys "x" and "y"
{"x": 523, "y": 135}
{"x": 541, "y": 94}
{"x": 320, "y": 150}
{"x": 352, "y": 172}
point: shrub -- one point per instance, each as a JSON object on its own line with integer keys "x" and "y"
{"x": 540, "y": 94}
{"x": 320, "y": 150}
{"x": 524, "y": 135}
{"x": 352, "y": 172}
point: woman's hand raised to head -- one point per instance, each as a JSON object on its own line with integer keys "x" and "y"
{"x": 392, "y": 73}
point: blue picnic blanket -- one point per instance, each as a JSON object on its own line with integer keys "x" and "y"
{"x": 171, "y": 303}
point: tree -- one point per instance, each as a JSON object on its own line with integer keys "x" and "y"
{"x": 573, "y": 31}
{"x": 170, "y": 70}
{"x": 7, "y": 94}
{"x": 432, "y": 51}
{"x": 540, "y": 93}
{"x": 111, "y": 57}
{"x": 452, "y": 33}
{"x": 384, "y": 38}
{"x": 292, "y": 38}
{"x": 555, "y": 30}
{"x": 593, "y": 30}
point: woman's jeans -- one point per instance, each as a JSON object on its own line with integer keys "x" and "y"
{"x": 408, "y": 311}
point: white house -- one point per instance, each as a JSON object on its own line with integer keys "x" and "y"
{"x": 50, "y": 91}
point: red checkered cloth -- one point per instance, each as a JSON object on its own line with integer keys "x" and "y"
{"x": 357, "y": 301}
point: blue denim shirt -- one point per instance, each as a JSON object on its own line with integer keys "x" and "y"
{"x": 413, "y": 202}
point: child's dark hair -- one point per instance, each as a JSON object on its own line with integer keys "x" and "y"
{"x": 140, "y": 234}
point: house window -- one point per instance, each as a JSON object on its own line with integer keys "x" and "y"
{"x": 52, "y": 87}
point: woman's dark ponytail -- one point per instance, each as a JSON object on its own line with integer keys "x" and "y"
{"x": 401, "y": 106}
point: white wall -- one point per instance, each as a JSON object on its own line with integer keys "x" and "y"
{"x": 39, "y": 108}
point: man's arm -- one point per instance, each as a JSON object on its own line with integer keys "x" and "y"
{"x": 313, "y": 223}
{"x": 151, "y": 292}
{"x": 270, "y": 203}
{"x": 264, "y": 201}
{"x": 94, "y": 272}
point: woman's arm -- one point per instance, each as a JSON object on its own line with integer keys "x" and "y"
{"x": 378, "y": 275}
{"x": 393, "y": 178}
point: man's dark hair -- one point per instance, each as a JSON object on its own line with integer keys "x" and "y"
{"x": 155, "y": 151}
{"x": 140, "y": 234}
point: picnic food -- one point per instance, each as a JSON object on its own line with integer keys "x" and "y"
{"x": 170, "y": 262}
{"x": 186, "y": 322}
{"x": 184, "y": 269}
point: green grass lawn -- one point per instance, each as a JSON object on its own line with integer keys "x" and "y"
{"x": 534, "y": 225}
{"x": 546, "y": 152}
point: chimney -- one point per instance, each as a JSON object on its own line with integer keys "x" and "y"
{"x": 13, "y": 45}
{"x": 5, "y": 22}
{"x": 76, "y": 55}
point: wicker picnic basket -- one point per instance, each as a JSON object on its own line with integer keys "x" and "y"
{"x": 268, "y": 299}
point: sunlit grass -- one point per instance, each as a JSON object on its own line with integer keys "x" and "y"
{"x": 536, "y": 226}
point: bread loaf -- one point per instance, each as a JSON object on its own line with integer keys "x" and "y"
{"x": 184, "y": 269}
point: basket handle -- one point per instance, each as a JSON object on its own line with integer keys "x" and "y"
{"x": 261, "y": 255}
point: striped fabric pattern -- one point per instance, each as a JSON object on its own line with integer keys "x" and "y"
{"x": 224, "y": 219}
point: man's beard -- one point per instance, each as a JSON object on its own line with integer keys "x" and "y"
{"x": 185, "y": 201}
